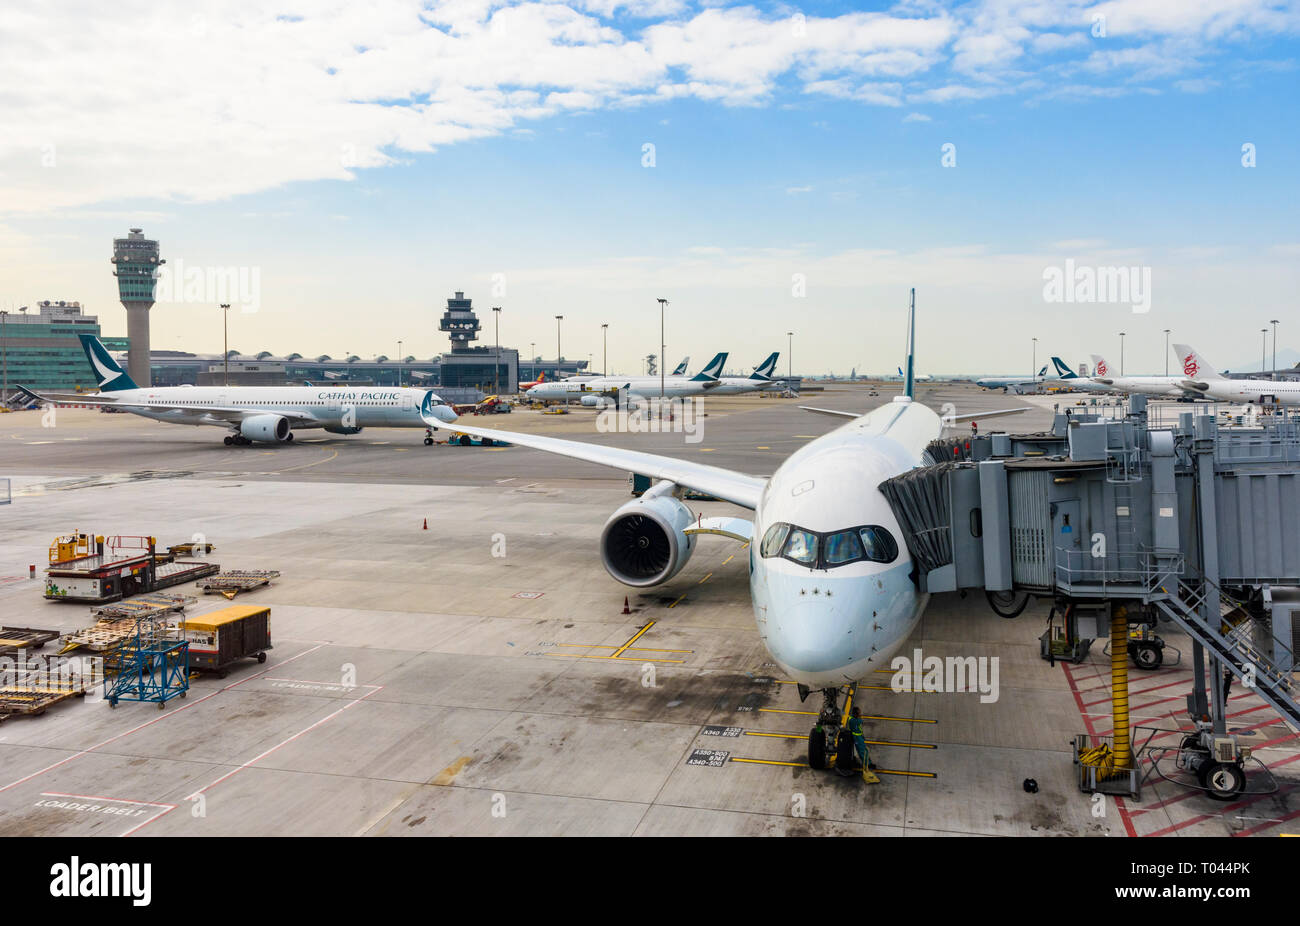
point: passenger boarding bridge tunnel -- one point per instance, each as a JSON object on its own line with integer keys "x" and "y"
{"x": 1123, "y": 520}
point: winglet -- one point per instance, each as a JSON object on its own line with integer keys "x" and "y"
{"x": 909, "y": 378}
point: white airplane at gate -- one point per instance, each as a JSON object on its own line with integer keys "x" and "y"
{"x": 829, "y": 572}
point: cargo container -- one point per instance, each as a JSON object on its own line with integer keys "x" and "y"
{"x": 221, "y": 638}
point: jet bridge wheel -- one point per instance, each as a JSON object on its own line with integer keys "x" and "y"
{"x": 1146, "y": 655}
{"x": 1007, "y": 604}
{"x": 1223, "y": 781}
{"x": 817, "y": 748}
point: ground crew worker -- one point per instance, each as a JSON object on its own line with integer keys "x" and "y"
{"x": 860, "y": 744}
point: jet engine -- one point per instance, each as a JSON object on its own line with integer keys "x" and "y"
{"x": 597, "y": 401}
{"x": 266, "y": 428}
{"x": 644, "y": 543}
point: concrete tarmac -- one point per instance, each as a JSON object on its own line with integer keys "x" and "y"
{"x": 480, "y": 676}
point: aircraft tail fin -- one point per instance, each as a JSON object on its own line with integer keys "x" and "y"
{"x": 909, "y": 378}
{"x": 111, "y": 376}
{"x": 712, "y": 370}
{"x": 1194, "y": 365}
{"x": 1099, "y": 366}
{"x": 765, "y": 369}
{"x": 1063, "y": 370}
{"x": 681, "y": 367}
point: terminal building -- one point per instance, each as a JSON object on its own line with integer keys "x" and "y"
{"x": 40, "y": 349}
{"x": 465, "y": 374}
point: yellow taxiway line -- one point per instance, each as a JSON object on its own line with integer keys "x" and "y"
{"x": 879, "y": 771}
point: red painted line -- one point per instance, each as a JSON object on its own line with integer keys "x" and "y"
{"x": 1201, "y": 818}
{"x": 150, "y": 723}
{"x": 1263, "y": 826}
{"x": 1132, "y": 692}
{"x": 1087, "y": 722}
{"x": 264, "y": 754}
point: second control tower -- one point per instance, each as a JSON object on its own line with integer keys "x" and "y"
{"x": 135, "y": 264}
{"x": 460, "y": 322}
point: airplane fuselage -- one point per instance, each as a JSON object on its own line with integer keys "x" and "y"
{"x": 824, "y": 622}
{"x": 1248, "y": 391}
{"x": 341, "y": 407}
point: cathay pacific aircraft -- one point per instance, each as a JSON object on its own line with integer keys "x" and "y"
{"x": 256, "y": 413}
{"x": 674, "y": 386}
{"x": 760, "y": 379}
{"x": 830, "y": 575}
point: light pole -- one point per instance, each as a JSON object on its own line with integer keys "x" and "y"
{"x": 789, "y": 356}
{"x": 1121, "y": 353}
{"x": 663, "y": 347}
{"x": 4, "y": 353}
{"x": 1273, "y": 373}
{"x": 558, "y": 354}
{"x": 604, "y": 350}
{"x": 1263, "y": 349}
{"x": 1033, "y": 367}
{"x": 225, "y": 339}
{"x": 399, "y": 363}
{"x": 496, "y": 360}
{"x": 532, "y": 357}
{"x": 1166, "y": 352}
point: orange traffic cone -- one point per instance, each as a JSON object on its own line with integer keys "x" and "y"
{"x": 626, "y": 609}
{"x": 426, "y": 524}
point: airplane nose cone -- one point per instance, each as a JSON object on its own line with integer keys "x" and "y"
{"x": 812, "y": 638}
{"x": 444, "y": 413}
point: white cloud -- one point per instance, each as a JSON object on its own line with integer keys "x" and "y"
{"x": 136, "y": 100}
{"x": 916, "y": 117}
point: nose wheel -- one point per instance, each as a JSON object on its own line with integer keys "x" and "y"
{"x": 825, "y": 738}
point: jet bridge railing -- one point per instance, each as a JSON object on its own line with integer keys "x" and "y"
{"x": 1081, "y": 574}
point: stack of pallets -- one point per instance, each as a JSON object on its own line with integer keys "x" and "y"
{"x": 233, "y": 581}
{"x": 33, "y": 685}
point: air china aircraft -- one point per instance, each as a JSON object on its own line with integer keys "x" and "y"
{"x": 256, "y": 413}
{"x": 830, "y": 575}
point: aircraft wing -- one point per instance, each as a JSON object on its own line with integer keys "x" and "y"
{"x": 737, "y": 488}
{"x": 973, "y": 416}
{"x": 222, "y": 413}
{"x": 831, "y": 411}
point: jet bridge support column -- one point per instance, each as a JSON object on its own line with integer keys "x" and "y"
{"x": 1203, "y": 449}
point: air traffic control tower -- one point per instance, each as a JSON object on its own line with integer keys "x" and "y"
{"x": 460, "y": 323}
{"x": 135, "y": 264}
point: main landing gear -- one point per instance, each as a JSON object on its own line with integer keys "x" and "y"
{"x": 237, "y": 440}
{"x": 830, "y": 743}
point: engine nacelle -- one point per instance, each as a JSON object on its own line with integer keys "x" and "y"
{"x": 597, "y": 401}
{"x": 340, "y": 429}
{"x": 265, "y": 428}
{"x": 645, "y": 542}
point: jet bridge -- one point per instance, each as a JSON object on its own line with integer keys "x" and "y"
{"x": 1123, "y": 518}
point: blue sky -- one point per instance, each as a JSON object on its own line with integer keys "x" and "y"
{"x": 472, "y": 139}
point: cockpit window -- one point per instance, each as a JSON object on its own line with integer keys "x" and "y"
{"x": 870, "y": 543}
{"x": 879, "y": 543}
{"x": 843, "y": 547}
{"x": 774, "y": 539}
{"x": 802, "y": 547}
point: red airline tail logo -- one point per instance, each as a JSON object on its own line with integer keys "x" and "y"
{"x": 1101, "y": 368}
{"x": 1190, "y": 366}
